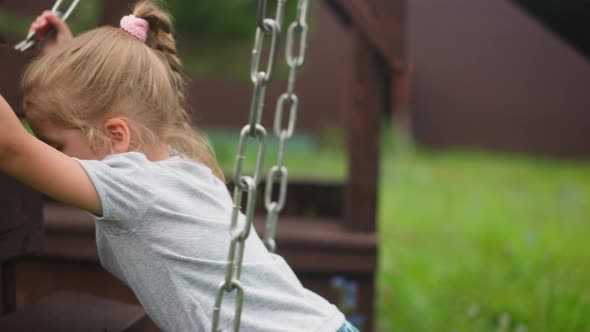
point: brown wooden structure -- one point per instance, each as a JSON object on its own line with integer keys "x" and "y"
{"x": 328, "y": 230}
{"x": 489, "y": 75}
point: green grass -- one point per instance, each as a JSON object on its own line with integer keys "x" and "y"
{"x": 469, "y": 241}
{"x": 306, "y": 157}
{"x": 468, "y": 238}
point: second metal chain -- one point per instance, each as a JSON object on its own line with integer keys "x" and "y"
{"x": 279, "y": 172}
{"x": 244, "y": 183}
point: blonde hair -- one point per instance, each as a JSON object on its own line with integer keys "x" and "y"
{"x": 107, "y": 72}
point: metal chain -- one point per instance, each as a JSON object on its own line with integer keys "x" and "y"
{"x": 279, "y": 172}
{"x": 245, "y": 183}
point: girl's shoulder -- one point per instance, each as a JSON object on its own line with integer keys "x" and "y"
{"x": 138, "y": 159}
{"x": 127, "y": 159}
{"x": 176, "y": 166}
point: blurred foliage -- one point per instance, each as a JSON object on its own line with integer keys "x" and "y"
{"x": 220, "y": 21}
{"x": 12, "y": 25}
{"x": 214, "y": 37}
{"x": 483, "y": 242}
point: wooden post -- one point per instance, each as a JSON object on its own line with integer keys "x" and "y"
{"x": 7, "y": 288}
{"x": 369, "y": 98}
{"x": 2, "y": 291}
{"x": 368, "y": 103}
{"x": 382, "y": 22}
{"x": 20, "y": 227}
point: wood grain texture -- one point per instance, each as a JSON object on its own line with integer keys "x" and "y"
{"x": 71, "y": 235}
{"x": 20, "y": 224}
{"x": 8, "y": 291}
{"x": 65, "y": 311}
{"x": 369, "y": 99}
{"x": 381, "y": 22}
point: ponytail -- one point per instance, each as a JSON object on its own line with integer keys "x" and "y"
{"x": 160, "y": 38}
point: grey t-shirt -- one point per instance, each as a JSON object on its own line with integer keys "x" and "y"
{"x": 165, "y": 233}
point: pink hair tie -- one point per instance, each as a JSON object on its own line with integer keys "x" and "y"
{"x": 137, "y": 27}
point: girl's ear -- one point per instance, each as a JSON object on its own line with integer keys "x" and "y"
{"x": 118, "y": 131}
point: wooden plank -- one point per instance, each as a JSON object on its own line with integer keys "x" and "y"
{"x": 64, "y": 311}
{"x": 20, "y": 226}
{"x": 70, "y": 235}
{"x": 8, "y": 291}
{"x": 382, "y": 22}
{"x": 366, "y": 297}
{"x": 20, "y": 223}
{"x": 12, "y": 67}
{"x": 306, "y": 198}
{"x": 36, "y": 282}
{"x": 370, "y": 94}
{"x": 2, "y": 291}
{"x": 40, "y": 277}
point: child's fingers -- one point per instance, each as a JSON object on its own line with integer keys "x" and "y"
{"x": 39, "y": 23}
{"x": 44, "y": 22}
{"x": 55, "y": 21}
{"x": 42, "y": 28}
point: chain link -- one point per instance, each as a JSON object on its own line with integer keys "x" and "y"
{"x": 254, "y": 130}
{"x": 245, "y": 135}
{"x": 279, "y": 172}
{"x": 244, "y": 183}
{"x": 280, "y": 109}
{"x": 274, "y": 31}
{"x": 221, "y": 291}
{"x": 299, "y": 25}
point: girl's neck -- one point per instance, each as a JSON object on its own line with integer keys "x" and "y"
{"x": 158, "y": 152}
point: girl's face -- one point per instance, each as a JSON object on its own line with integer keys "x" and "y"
{"x": 70, "y": 141}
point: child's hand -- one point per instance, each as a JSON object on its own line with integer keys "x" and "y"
{"x": 44, "y": 24}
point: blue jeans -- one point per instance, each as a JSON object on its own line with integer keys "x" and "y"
{"x": 347, "y": 327}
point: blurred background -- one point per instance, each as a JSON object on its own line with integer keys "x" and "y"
{"x": 483, "y": 205}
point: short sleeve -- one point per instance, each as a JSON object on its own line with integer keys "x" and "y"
{"x": 122, "y": 184}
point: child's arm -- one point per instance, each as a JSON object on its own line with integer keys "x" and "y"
{"x": 40, "y": 166}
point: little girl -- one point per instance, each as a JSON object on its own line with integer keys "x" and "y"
{"x": 114, "y": 138}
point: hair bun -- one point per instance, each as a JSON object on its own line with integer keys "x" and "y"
{"x": 135, "y": 26}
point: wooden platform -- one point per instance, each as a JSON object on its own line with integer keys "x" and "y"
{"x": 318, "y": 249}
{"x": 71, "y": 312}
{"x": 308, "y": 244}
